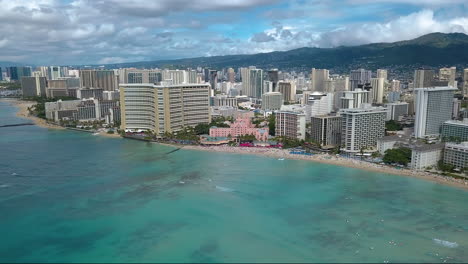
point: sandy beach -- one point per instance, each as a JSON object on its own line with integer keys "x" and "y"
{"x": 273, "y": 153}
{"x": 24, "y": 113}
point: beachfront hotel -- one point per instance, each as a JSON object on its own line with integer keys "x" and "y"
{"x": 242, "y": 126}
{"x": 291, "y": 124}
{"x": 362, "y": 127}
{"x": 455, "y": 129}
{"x": 433, "y": 107}
{"x": 326, "y": 131}
{"x": 456, "y": 155}
{"x": 165, "y": 107}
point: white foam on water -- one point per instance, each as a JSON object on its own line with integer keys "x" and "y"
{"x": 445, "y": 243}
{"x": 223, "y": 189}
{"x": 4, "y": 185}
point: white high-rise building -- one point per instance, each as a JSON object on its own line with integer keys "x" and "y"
{"x": 252, "y": 81}
{"x": 360, "y": 76}
{"x": 291, "y": 125}
{"x": 354, "y": 99}
{"x": 433, "y": 106}
{"x": 395, "y": 86}
{"x": 377, "y": 90}
{"x": 396, "y": 110}
{"x": 288, "y": 90}
{"x": 448, "y": 74}
{"x": 318, "y": 78}
{"x": 361, "y": 128}
{"x": 164, "y": 108}
{"x": 423, "y": 78}
{"x": 337, "y": 84}
{"x": 465, "y": 82}
{"x": 272, "y": 101}
{"x": 320, "y": 103}
{"x": 382, "y": 74}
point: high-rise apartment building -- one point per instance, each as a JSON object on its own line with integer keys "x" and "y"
{"x": 361, "y": 128}
{"x": 231, "y": 75}
{"x": 290, "y": 125}
{"x": 252, "y": 82}
{"x": 448, "y": 74}
{"x": 423, "y": 78}
{"x": 16, "y": 73}
{"x": 164, "y": 108}
{"x": 396, "y": 110}
{"x": 433, "y": 106}
{"x": 318, "y": 79}
{"x": 104, "y": 79}
{"x": 354, "y": 99}
{"x": 382, "y": 74}
{"x": 395, "y": 86}
{"x": 55, "y": 72}
{"x": 273, "y": 77}
{"x": 272, "y": 101}
{"x": 288, "y": 90}
{"x": 465, "y": 82}
{"x": 377, "y": 89}
{"x": 360, "y": 76}
{"x": 33, "y": 86}
{"x": 337, "y": 84}
{"x": 326, "y": 131}
{"x": 140, "y": 76}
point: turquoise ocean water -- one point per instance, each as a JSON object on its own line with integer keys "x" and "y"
{"x": 73, "y": 197}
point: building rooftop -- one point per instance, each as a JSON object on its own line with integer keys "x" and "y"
{"x": 394, "y": 138}
{"x": 428, "y": 147}
{"x": 437, "y": 88}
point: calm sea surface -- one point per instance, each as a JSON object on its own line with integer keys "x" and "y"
{"x": 73, "y": 197}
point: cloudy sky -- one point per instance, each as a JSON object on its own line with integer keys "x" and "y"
{"x": 67, "y": 32}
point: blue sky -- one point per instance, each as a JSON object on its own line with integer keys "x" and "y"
{"x": 67, "y": 32}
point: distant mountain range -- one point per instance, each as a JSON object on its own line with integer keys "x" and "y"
{"x": 431, "y": 50}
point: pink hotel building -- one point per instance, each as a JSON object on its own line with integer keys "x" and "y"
{"x": 242, "y": 126}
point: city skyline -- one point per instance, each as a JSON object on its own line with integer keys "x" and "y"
{"x": 53, "y": 32}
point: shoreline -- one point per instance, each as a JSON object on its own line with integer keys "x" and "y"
{"x": 272, "y": 153}
{"x": 24, "y": 113}
{"x": 332, "y": 160}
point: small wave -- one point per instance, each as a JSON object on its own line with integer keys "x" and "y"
{"x": 445, "y": 243}
{"x": 4, "y": 185}
{"x": 223, "y": 189}
{"x": 14, "y": 174}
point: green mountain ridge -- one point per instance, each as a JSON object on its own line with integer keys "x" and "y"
{"x": 431, "y": 50}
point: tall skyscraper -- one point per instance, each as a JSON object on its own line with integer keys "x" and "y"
{"x": 55, "y": 72}
{"x": 272, "y": 101}
{"x": 16, "y": 73}
{"x": 164, "y": 108}
{"x": 213, "y": 79}
{"x": 288, "y": 90}
{"x": 377, "y": 90}
{"x": 465, "y": 82}
{"x": 395, "y": 86}
{"x": 33, "y": 86}
{"x": 361, "y": 128}
{"x": 1, "y": 74}
{"x": 423, "y": 78}
{"x": 382, "y": 74}
{"x": 448, "y": 74}
{"x": 326, "y": 131}
{"x": 252, "y": 82}
{"x": 360, "y": 76}
{"x": 231, "y": 75}
{"x": 291, "y": 124}
{"x": 433, "y": 106}
{"x": 273, "y": 77}
{"x": 104, "y": 79}
{"x": 318, "y": 79}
